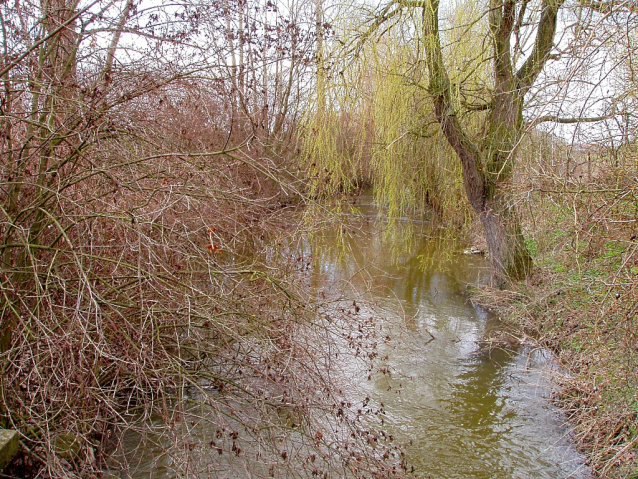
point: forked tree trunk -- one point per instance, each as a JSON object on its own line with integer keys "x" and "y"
{"x": 509, "y": 258}
{"x": 488, "y": 169}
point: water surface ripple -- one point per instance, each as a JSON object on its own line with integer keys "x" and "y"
{"x": 466, "y": 411}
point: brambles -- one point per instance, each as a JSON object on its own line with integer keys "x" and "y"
{"x": 140, "y": 289}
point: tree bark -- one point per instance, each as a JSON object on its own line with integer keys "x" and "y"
{"x": 487, "y": 170}
{"x": 509, "y": 258}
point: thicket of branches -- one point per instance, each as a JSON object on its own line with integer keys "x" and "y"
{"x": 143, "y": 177}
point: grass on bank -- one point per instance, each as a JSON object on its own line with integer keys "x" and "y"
{"x": 582, "y": 303}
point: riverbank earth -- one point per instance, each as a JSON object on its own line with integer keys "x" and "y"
{"x": 581, "y": 303}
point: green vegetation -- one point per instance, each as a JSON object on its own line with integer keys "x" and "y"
{"x": 581, "y": 303}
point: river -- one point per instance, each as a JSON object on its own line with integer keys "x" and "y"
{"x": 465, "y": 410}
{"x": 462, "y": 410}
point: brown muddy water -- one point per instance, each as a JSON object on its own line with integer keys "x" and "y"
{"x": 461, "y": 409}
{"x": 465, "y": 411}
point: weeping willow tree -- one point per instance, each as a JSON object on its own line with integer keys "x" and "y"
{"x": 474, "y": 63}
{"x": 371, "y": 125}
{"x": 411, "y": 164}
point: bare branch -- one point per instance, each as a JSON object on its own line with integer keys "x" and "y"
{"x": 543, "y": 45}
{"x": 567, "y": 121}
{"x": 610, "y": 6}
{"x": 37, "y": 44}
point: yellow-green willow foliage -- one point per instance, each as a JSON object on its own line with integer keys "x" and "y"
{"x": 336, "y": 139}
{"x": 333, "y": 150}
{"x": 412, "y": 166}
{"x": 378, "y": 126}
{"x": 377, "y": 129}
